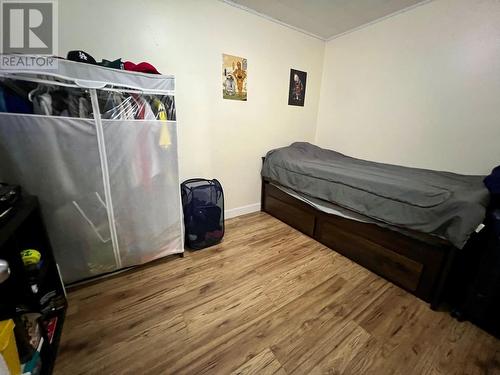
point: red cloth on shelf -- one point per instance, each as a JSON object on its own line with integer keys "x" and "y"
{"x": 143, "y": 67}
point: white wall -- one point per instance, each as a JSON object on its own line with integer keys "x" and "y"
{"x": 420, "y": 89}
{"x": 219, "y": 138}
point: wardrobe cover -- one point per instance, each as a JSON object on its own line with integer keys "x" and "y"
{"x": 98, "y": 147}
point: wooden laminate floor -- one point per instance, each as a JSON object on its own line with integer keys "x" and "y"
{"x": 268, "y": 300}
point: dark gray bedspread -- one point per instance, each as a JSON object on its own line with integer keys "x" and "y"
{"x": 444, "y": 204}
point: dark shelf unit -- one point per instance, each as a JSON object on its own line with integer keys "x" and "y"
{"x": 23, "y": 228}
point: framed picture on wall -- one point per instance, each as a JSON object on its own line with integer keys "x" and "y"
{"x": 297, "y": 89}
{"x": 234, "y": 77}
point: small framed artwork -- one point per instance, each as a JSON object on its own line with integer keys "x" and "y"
{"x": 234, "y": 77}
{"x": 297, "y": 90}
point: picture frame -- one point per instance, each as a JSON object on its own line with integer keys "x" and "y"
{"x": 297, "y": 88}
{"x": 234, "y": 77}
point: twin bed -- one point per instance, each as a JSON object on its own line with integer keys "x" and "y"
{"x": 403, "y": 223}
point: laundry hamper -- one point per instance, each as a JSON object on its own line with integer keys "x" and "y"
{"x": 203, "y": 206}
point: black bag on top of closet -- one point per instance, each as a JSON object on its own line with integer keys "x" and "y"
{"x": 203, "y": 206}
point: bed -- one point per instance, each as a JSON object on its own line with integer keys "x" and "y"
{"x": 405, "y": 224}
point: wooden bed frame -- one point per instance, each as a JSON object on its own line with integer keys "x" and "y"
{"x": 418, "y": 266}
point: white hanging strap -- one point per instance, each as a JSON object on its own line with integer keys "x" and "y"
{"x": 90, "y": 84}
{"x": 94, "y": 228}
{"x": 100, "y": 199}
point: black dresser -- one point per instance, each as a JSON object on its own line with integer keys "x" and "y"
{"x": 20, "y": 229}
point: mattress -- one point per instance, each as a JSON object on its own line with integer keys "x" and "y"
{"x": 326, "y": 207}
{"x": 333, "y": 209}
{"x": 444, "y": 204}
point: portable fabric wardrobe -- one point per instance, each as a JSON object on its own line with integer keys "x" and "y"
{"x": 104, "y": 167}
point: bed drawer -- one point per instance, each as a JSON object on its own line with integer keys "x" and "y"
{"x": 295, "y": 215}
{"x": 388, "y": 263}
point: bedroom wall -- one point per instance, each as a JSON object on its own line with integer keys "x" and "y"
{"x": 219, "y": 138}
{"x": 420, "y": 89}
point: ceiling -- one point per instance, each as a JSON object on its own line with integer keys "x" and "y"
{"x": 325, "y": 19}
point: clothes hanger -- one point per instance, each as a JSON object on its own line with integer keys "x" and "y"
{"x": 39, "y": 90}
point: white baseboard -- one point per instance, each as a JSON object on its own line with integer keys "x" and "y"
{"x": 238, "y": 211}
